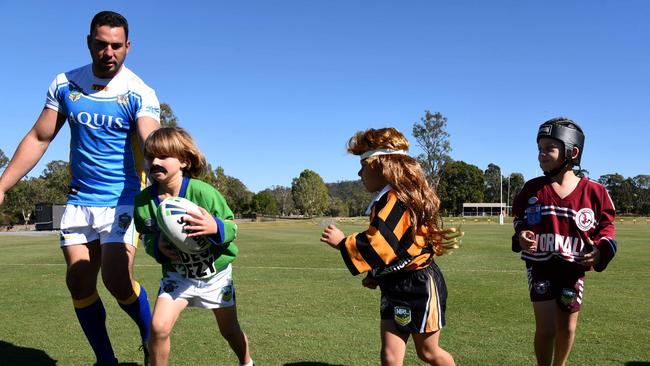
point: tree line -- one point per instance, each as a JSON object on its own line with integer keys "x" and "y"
{"x": 456, "y": 182}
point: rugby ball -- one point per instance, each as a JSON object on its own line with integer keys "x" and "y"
{"x": 171, "y": 216}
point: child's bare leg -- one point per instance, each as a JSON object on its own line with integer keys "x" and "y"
{"x": 566, "y": 334}
{"x": 231, "y": 332}
{"x": 545, "y": 330}
{"x": 393, "y": 344}
{"x": 429, "y": 351}
{"x": 165, "y": 314}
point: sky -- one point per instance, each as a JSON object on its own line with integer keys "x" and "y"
{"x": 271, "y": 88}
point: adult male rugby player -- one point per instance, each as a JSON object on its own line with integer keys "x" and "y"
{"x": 109, "y": 110}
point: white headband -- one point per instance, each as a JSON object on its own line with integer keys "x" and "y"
{"x": 378, "y": 152}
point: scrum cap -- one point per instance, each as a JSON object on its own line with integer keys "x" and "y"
{"x": 567, "y": 132}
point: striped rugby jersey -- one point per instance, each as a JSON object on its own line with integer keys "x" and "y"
{"x": 562, "y": 224}
{"x": 387, "y": 246}
{"x": 105, "y": 156}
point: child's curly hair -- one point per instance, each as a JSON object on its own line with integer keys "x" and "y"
{"x": 176, "y": 142}
{"x": 406, "y": 177}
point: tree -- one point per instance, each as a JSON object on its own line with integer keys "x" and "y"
{"x": 264, "y": 202}
{"x": 516, "y": 183}
{"x": 431, "y": 136}
{"x": 167, "y": 116}
{"x": 22, "y": 198}
{"x": 57, "y": 179}
{"x": 337, "y": 208}
{"x": 309, "y": 193}
{"x": 353, "y": 193}
{"x": 459, "y": 183}
{"x": 493, "y": 191}
{"x": 284, "y": 199}
{"x": 3, "y": 160}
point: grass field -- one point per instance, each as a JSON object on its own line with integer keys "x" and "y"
{"x": 299, "y": 306}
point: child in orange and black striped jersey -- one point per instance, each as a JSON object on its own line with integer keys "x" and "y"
{"x": 398, "y": 248}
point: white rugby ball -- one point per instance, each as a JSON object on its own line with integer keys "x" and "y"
{"x": 170, "y": 217}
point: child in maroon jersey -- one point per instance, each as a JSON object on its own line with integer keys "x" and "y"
{"x": 564, "y": 225}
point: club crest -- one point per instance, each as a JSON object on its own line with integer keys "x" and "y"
{"x": 585, "y": 219}
{"x": 541, "y": 287}
{"x": 227, "y": 293}
{"x": 124, "y": 220}
{"x": 74, "y": 95}
{"x": 402, "y": 315}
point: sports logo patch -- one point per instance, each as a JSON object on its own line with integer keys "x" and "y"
{"x": 567, "y": 297}
{"x": 74, "y": 95}
{"x": 541, "y": 287}
{"x": 124, "y": 220}
{"x": 122, "y": 99}
{"x": 585, "y": 219}
{"x": 402, "y": 315}
{"x": 170, "y": 286}
{"x": 227, "y": 293}
{"x": 534, "y": 213}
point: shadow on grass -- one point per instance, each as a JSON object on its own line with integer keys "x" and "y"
{"x": 637, "y": 363}
{"x": 15, "y": 355}
{"x": 309, "y": 363}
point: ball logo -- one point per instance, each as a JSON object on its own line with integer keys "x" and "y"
{"x": 585, "y": 219}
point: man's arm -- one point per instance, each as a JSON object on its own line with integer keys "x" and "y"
{"x": 146, "y": 125}
{"x": 31, "y": 148}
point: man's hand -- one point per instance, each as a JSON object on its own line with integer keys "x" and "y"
{"x": 593, "y": 257}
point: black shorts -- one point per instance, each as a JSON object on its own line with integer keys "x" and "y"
{"x": 414, "y": 300}
{"x": 557, "y": 280}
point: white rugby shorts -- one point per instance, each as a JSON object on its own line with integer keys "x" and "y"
{"x": 83, "y": 224}
{"x": 215, "y": 292}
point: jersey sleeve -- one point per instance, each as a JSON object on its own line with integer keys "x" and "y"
{"x": 150, "y": 107}
{"x": 216, "y": 205}
{"x": 379, "y": 244}
{"x": 604, "y": 237}
{"x": 52, "y": 99}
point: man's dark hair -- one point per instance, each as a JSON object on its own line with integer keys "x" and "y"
{"x": 110, "y": 18}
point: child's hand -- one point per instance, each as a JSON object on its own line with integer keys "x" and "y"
{"x": 332, "y": 236}
{"x": 200, "y": 223}
{"x": 166, "y": 249}
{"x": 527, "y": 240}
{"x": 593, "y": 257}
{"x": 370, "y": 282}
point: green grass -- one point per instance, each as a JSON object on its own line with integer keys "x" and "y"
{"x": 299, "y": 305}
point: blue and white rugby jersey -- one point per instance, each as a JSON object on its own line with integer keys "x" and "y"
{"x": 105, "y": 155}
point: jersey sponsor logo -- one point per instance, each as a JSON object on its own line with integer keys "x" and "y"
{"x": 534, "y": 213}
{"x": 199, "y": 265}
{"x": 402, "y": 315}
{"x": 585, "y": 219}
{"x": 556, "y": 243}
{"x": 541, "y": 287}
{"x": 96, "y": 120}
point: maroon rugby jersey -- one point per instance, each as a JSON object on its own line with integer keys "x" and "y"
{"x": 561, "y": 224}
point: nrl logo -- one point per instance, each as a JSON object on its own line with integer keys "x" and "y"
{"x": 402, "y": 315}
{"x": 124, "y": 220}
{"x": 74, "y": 96}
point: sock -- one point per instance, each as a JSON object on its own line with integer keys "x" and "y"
{"x": 92, "y": 317}
{"x": 250, "y": 363}
{"x": 137, "y": 306}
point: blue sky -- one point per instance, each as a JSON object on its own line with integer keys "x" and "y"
{"x": 270, "y": 88}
